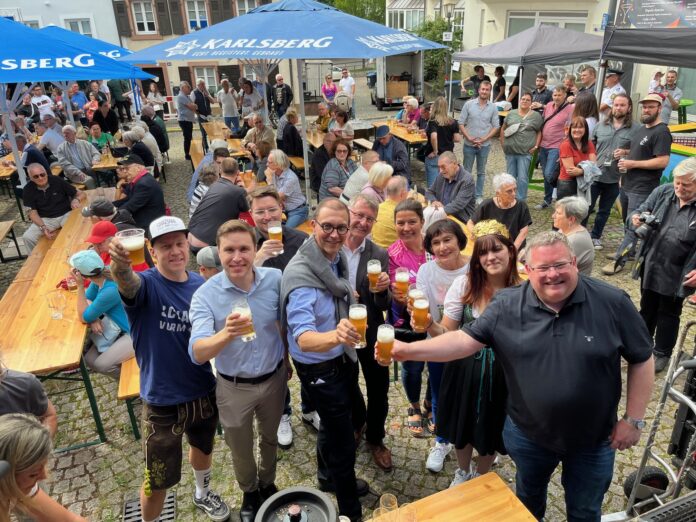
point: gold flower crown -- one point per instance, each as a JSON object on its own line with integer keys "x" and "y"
{"x": 490, "y": 226}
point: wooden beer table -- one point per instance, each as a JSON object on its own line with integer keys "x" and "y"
{"x": 410, "y": 138}
{"x": 32, "y": 341}
{"x": 483, "y": 499}
{"x": 215, "y": 129}
{"x": 315, "y": 139}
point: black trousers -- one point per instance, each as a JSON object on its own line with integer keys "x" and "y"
{"x": 204, "y": 135}
{"x": 374, "y": 415}
{"x": 661, "y": 315}
{"x": 187, "y": 131}
{"x": 123, "y": 109}
{"x": 329, "y": 386}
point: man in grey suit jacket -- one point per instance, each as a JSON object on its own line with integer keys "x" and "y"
{"x": 358, "y": 250}
{"x": 453, "y": 189}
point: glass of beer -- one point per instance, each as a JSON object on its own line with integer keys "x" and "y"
{"x": 401, "y": 278}
{"x": 413, "y": 294}
{"x": 241, "y": 307}
{"x": 357, "y": 314}
{"x": 275, "y": 232}
{"x": 385, "y": 343}
{"x": 374, "y": 268}
{"x": 420, "y": 314}
{"x": 133, "y": 240}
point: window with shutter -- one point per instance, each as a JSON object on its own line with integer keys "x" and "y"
{"x": 163, "y": 19}
{"x": 177, "y": 21}
{"x": 122, "y": 22}
{"x": 185, "y": 75}
{"x": 143, "y": 17}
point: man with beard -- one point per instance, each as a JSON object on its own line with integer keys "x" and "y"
{"x": 642, "y": 168}
{"x": 672, "y": 95}
{"x": 610, "y": 137}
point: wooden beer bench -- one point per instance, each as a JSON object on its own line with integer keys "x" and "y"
{"x": 7, "y": 228}
{"x": 297, "y": 164}
{"x": 362, "y": 144}
{"x": 129, "y": 390}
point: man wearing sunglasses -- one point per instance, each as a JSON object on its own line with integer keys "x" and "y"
{"x": 49, "y": 200}
{"x": 315, "y": 296}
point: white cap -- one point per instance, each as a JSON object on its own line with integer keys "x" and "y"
{"x": 165, "y": 225}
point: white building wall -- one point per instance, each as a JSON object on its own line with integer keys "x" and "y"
{"x": 57, "y": 12}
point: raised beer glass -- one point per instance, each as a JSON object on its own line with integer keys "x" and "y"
{"x": 357, "y": 315}
{"x": 374, "y": 268}
{"x": 385, "y": 343}
{"x": 401, "y": 277}
{"x": 133, "y": 240}
{"x": 420, "y": 314}
{"x": 275, "y": 232}
{"x": 241, "y": 307}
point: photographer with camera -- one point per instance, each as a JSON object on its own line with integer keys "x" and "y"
{"x": 666, "y": 225}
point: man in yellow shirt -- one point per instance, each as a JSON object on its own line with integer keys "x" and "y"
{"x": 384, "y": 231}
{"x": 324, "y": 118}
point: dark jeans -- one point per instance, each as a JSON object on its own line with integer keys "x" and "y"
{"x": 435, "y": 377}
{"x": 566, "y": 188}
{"x": 377, "y": 384}
{"x": 412, "y": 378}
{"x": 661, "y": 315}
{"x": 630, "y": 201}
{"x": 549, "y": 163}
{"x": 329, "y": 386}
{"x": 305, "y": 402}
{"x": 586, "y": 475}
{"x": 204, "y": 136}
{"x": 187, "y": 131}
{"x": 607, "y": 194}
{"x": 123, "y": 109}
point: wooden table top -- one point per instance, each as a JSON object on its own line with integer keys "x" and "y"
{"x": 32, "y": 341}
{"x": 6, "y": 172}
{"x": 503, "y": 114}
{"x": 483, "y": 499}
{"x": 315, "y": 139}
{"x": 109, "y": 163}
{"x": 403, "y": 134}
{"x": 215, "y": 129}
{"x": 237, "y": 150}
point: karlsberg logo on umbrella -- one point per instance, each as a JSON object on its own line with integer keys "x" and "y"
{"x": 61, "y": 62}
{"x": 390, "y": 42}
{"x": 228, "y": 46}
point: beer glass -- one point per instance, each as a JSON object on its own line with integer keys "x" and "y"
{"x": 388, "y": 502}
{"x": 133, "y": 240}
{"x": 401, "y": 278}
{"x": 241, "y": 307}
{"x": 56, "y": 303}
{"x": 408, "y": 513}
{"x": 275, "y": 232}
{"x": 357, "y": 315}
{"x": 413, "y": 294}
{"x": 385, "y": 343}
{"x": 374, "y": 268}
{"x": 420, "y": 314}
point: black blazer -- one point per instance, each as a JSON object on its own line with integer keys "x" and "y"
{"x": 376, "y": 304}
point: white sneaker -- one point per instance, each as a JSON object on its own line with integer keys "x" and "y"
{"x": 460, "y": 476}
{"x": 436, "y": 458}
{"x": 312, "y": 419}
{"x": 285, "y": 432}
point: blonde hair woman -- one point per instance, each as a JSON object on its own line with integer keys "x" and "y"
{"x": 25, "y": 444}
{"x": 377, "y": 179}
{"x": 442, "y": 133}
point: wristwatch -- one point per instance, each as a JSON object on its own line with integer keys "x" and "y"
{"x": 638, "y": 424}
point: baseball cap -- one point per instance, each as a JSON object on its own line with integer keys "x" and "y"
{"x": 381, "y": 131}
{"x": 87, "y": 262}
{"x": 614, "y": 72}
{"x": 209, "y": 257}
{"x": 99, "y": 208}
{"x": 165, "y": 225}
{"x": 130, "y": 159}
{"x": 653, "y": 96}
{"x": 101, "y": 231}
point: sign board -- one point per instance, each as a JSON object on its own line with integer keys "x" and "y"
{"x": 456, "y": 66}
{"x": 656, "y": 13}
{"x": 447, "y": 36}
{"x": 605, "y": 21}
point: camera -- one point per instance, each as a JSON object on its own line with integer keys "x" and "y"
{"x": 649, "y": 223}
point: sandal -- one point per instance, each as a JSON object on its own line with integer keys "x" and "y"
{"x": 415, "y": 427}
{"x": 428, "y": 424}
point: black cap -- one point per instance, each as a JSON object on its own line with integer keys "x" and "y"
{"x": 131, "y": 159}
{"x": 614, "y": 71}
{"x": 99, "y": 208}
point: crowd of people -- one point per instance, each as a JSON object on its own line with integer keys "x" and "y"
{"x": 523, "y": 347}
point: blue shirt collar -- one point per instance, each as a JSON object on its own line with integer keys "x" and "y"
{"x": 227, "y": 284}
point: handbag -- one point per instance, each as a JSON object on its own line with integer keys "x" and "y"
{"x": 110, "y": 332}
{"x": 511, "y": 130}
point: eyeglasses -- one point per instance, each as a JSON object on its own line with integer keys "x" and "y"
{"x": 328, "y": 228}
{"x": 38, "y": 176}
{"x": 264, "y": 211}
{"x": 558, "y": 267}
{"x": 341, "y": 151}
{"x": 360, "y": 216}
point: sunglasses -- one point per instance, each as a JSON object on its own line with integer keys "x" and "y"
{"x": 38, "y": 176}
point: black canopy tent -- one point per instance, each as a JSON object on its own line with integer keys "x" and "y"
{"x": 659, "y": 46}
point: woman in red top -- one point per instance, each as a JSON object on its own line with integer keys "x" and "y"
{"x": 575, "y": 149}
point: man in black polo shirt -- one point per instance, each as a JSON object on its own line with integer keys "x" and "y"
{"x": 541, "y": 95}
{"x": 49, "y": 200}
{"x": 223, "y": 201}
{"x": 560, "y": 338}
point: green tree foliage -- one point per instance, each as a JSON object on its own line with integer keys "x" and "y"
{"x": 436, "y": 62}
{"x": 373, "y": 10}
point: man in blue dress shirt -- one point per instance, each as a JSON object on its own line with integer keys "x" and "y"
{"x": 252, "y": 375}
{"x": 315, "y": 297}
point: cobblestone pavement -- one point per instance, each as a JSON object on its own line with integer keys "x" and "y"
{"x": 94, "y": 481}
